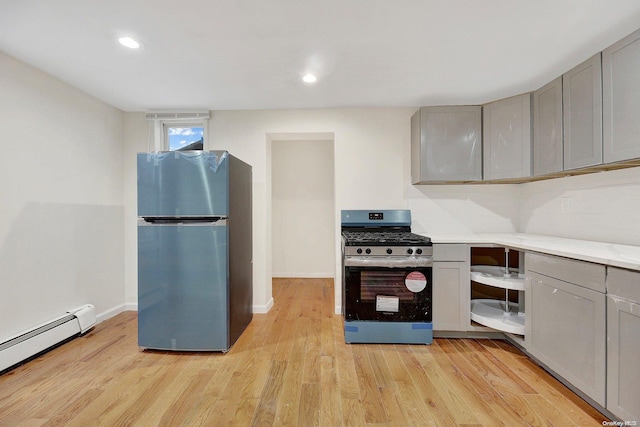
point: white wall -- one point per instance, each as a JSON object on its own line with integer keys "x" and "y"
{"x": 371, "y": 155}
{"x": 603, "y": 207}
{"x": 61, "y": 220}
{"x": 372, "y": 171}
{"x": 462, "y": 209}
{"x": 136, "y": 139}
{"x": 302, "y": 208}
{"x": 68, "y": 193}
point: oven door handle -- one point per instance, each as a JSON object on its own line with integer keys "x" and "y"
{"x": 390, "y": 262}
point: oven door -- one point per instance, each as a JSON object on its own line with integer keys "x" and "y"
{"x": 391, "y": 294}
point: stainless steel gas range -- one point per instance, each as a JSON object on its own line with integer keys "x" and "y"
{"x": 387, "y": 274}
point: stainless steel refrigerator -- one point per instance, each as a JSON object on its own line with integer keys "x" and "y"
{"x": 195, "y": 288}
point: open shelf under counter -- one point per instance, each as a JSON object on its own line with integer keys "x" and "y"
{"x": 495, "y": 276}
{"x": 492, "y": 313}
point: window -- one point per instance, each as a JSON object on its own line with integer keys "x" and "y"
{"x": 178, "y": 131}
{"x": 184, "y": 137}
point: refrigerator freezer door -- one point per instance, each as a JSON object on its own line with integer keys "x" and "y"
{"x": 183, "y": 184}
{"x": 183, "y": 287}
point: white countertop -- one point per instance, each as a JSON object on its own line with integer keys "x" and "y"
{"x": 623, "y": 256}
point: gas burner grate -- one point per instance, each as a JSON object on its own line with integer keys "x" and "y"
{"x": 385, "y": 237}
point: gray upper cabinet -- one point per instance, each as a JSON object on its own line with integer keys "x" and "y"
{"x": 507, "y": 138}
{"x": 547, "y": 131}
{"x": 582, "y": 96}
{"x": 446, "y": 144}
{"x": 621, "y": 99}
{"x": 585, "y": 119}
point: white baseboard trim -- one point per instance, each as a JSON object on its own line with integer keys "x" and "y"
{"x": 110, "y": 313}
{"x": 261, "y": 309}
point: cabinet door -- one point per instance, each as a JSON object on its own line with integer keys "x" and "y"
{"x": 582, "y": 96}
{"x": 446, "y": 144}
{"x": 450, "y": 312}
{"x": 623, "y": 356}
{"x": 568, "y": 332}
{"x": 623, "y": 343}
{"x": 547, "y": 133}
{"x": 621, "y": 99}
{"x": 507, "y": 138}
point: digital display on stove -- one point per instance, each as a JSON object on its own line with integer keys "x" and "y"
{"x": 376, "y": 216}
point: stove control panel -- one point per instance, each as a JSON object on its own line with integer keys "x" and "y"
{"x": 401, "y": 251}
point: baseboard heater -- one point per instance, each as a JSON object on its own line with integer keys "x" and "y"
{"x": 35, "y": 341}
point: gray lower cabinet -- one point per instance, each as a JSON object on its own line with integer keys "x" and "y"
{"x": 566, "y": 320}
{"x": 623, "y": 349}
{"x": 506, "y": 138}
{"x": 547, "y": 131}
{"x": 621, "y": 99}
{"x": 446, "y": 144}
{"x": 582, "y": 114}
{"x": 450, "y": 287}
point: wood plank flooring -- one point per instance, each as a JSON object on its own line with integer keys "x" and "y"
{"x": 290, "y": 367}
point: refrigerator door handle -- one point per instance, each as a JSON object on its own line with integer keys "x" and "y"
{"x": 182, "y": 220}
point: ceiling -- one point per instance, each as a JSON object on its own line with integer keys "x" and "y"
{"x": 252, "y": 54}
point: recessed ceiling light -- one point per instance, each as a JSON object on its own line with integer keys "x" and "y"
{"x": 129, "y": 42}
{"x": 309, "y": 78}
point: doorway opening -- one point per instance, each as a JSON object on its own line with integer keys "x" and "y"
{"x": 303, "y": 206}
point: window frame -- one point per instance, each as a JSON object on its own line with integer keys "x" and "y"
{"x": 160, "y": 122}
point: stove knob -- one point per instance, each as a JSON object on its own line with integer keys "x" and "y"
{"x": 359, "y": 250}
{"x": 368, "y": 251}
{"x": 409, "y": 251}
{"x": 389, "y": 251}
{"x": 418, "y": 251}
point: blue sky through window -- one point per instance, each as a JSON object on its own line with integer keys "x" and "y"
{"x": 180, "y": 137}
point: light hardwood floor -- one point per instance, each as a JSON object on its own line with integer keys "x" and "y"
{"x": 290, "y": 367}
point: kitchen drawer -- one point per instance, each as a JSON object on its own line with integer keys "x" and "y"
{"x": 623, "y": 283}
{"x": 450, "y": 252}
{"x": 586, "y": 274}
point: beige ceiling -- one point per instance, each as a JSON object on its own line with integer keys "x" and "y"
{"x": 251, "y": 54}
